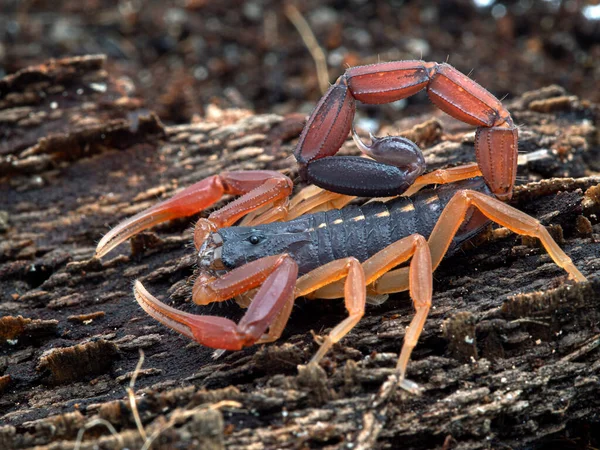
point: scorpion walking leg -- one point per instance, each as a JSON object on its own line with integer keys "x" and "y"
{"x": 420, "y": 284}
{"x": 439, "y": 176}
{"x": 451, "y": 219}
{"x": 420, "y": 280}
{"x": 391, "y": 282}
{"x": 501, "y": 213}
{"x": 313, "y": 199}
{"x": 275, "y": 274}
{"x": 276, "y": 212}
{"x": 444, "y": 176}
{"x": 397, "y": 280}
{"x": 354, "y": 295}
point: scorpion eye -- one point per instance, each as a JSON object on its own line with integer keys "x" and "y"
{"x": 254, "y": 239}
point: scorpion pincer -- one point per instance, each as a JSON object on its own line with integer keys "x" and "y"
{"x": 319, "y": 246}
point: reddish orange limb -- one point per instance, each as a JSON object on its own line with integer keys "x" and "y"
{"x": 391, "y": 282}
{"x": 354, "y": 296}
{"x": 258, "y": 188}
{"x": 420, "y": 282}
{"x": 275, "y": 212}
{"x": 444, "y": 176}
{"x": 378, "y": 267}
{"x": 313, "y": 199}
{"x": 426, "y": 258}
{"x": 278, "y": 325}
{"x": 517, "y": 221}
{"x": 451, "y": 219}
{"x": 189, "y": 201}
{"x": 421, "y": 290}
{"x": 255, "y": 187}
{"x": 271, "y": 300}
{"x": 209, "y": 289}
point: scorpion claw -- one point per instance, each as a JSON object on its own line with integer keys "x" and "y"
{"x": 165, "y": 314}
{"x": 257, "y": 188}
{"x": 210, "y": 331}
{"x": 275, "y": 293}
{"x": 189, "y": 201}
{"x": 129, "y": 228}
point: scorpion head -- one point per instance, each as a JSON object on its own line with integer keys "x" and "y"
{"x": 209, "y": 255}
{"x": 232, "y": 247}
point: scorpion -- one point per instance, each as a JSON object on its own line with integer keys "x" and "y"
{"x": 317, "y": 245}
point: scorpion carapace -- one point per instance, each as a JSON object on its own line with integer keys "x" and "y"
{"x": 351, "y": 252}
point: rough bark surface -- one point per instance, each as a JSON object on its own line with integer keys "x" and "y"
{"x": 509, "y": 356}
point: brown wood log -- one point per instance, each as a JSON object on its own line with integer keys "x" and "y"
{"x": 509, "y": 356}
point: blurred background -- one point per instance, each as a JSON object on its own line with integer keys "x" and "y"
{"x": 181, "y": 55}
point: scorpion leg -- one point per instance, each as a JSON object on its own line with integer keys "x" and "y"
{"x": 439, "y": 176}
{"x": 391, "y": 282}
{"x": 421, "y": 286}
{"x": 314, "y": 199}
{"x": 451, "y": 219}
{"x": 444, "y": 176}
{"x": 256, "y": 188}
{"x": 276, "y": 276}
{"x": 354, "y": 295}
{"x": 517, "y": 221}
{"x": 275, "y": 212}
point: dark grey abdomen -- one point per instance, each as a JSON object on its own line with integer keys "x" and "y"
{"x": 316, "y": 239}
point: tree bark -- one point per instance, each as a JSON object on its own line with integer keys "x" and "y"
{"x": 509, "y": 356}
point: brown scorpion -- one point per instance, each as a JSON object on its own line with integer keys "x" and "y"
{"x": 316, "y": 245}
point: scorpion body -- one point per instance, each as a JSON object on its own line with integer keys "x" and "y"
{"x": 314, "y": 240}
{"x": 314, "y": 246}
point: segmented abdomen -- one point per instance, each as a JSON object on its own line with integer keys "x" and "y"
{"x": 363, "y": 231}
